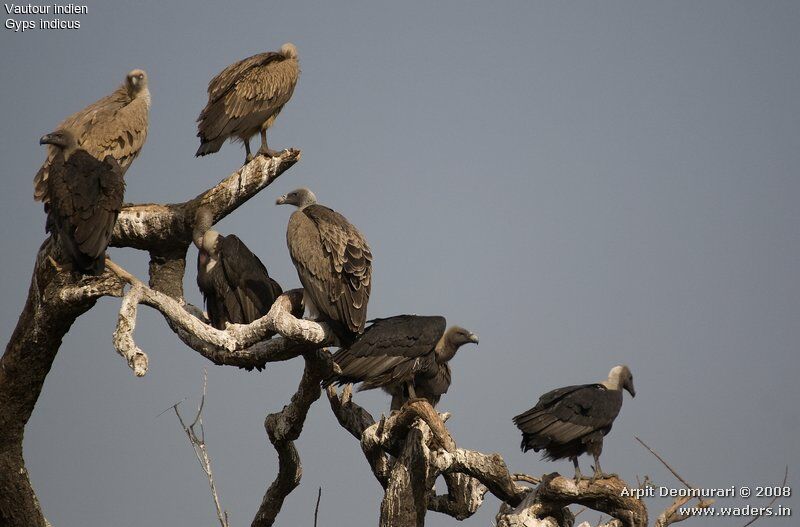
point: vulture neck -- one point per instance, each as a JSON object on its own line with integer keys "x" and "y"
{"x": 445, "y": 350}
{"x": 613, "y": 382}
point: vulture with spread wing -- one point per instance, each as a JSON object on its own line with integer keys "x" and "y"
{"x": 114, "y": 126}
{"x": 245, "y": 98}
{"x": 333, "y": 261}
{"x": 406, "y": 355}
{"x": 235, "y": 284}
{"x": 571, "y": 421}
{"x": 85, "y": 199}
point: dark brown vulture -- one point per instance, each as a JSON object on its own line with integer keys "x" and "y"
{"x": 85, "y": 199}
{"x": 406, "y": 355}
{"x": 236, "y": 286}
{"x": 333, "y": 261}
{"x": 245, "y": 98}
{"x": 114, "y": 126}
{"x": 571, "y": 421}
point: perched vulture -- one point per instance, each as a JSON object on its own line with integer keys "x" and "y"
{"x": 235, "y": 284}
{"x": 571, "y": 421}
{"x": 406, "y": 355}
{"x": 333, "y": 261}
{"x": 114, "y": 126}
{"x": 85, "y": 199}
{"x": 245, "y": 98}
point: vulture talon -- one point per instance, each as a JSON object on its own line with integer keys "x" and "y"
{"x": 268, "y": 152}
{"x": 55, "y": 265}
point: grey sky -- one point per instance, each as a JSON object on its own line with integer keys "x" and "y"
{"x": 582, "y": 184}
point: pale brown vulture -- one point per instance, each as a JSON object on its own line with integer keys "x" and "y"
{"x": 245, "y": 98}
{"x": 236, "y": 286}
{"x": 333, "y": 261}
{"x": 406, "y": 355}
{"x": 114, "y": 126}
{"x": 85, "y": 199}
{"x": 571, "y": 421}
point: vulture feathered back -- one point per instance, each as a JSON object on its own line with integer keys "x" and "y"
{"x": 236, "y": 286}
{"x": 333, "y": 261}
{"x": 245, "y": 98}
{"x": 85, "y": 199}
{"x": 406, "y": 355}
{"x": 115, "y": 126}
{"x": 573, "y": 420}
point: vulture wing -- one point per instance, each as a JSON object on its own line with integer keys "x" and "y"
{"x": 334, "y": 264}
{"x": 248, "y": 281}
{"x": 86, "y": 198}
{"x": 391, "y": 350}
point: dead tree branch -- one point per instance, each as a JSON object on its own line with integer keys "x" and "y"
{"x": 56, "y": 299}
{"x": 284, "y": 427}
{"x": 198, "y": 442}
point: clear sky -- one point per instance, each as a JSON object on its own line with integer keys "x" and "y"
{"x": 581, "y": 183}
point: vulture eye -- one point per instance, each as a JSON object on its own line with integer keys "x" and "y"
{"x": 141, "y": 75}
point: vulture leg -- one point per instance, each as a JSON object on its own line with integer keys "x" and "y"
{"x": 249, "y": 156}
{"x": 598, "y": 472}
{"x": 578, "y": 475}
{"x": 265, "y": 150}
{"x": 412, "y": 394}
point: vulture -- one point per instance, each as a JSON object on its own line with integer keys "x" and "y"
{"x": 406, "y": 355}
{"x": 245, "y": 98}
{"x": 114, "y": 126}
{"x": 236, "y": 286}
{"x": 85, "y": 199}
{"x": 333, "y": 261}
{"x": 573, "y": 420}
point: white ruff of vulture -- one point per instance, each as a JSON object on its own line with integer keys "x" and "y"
{"x": 333, "y": 261}
{"x": 236, "y": 286}
{"x": 406, "y": 355}
{"x": 114, "y": 126}
{"x": 85, "y": 199}
{"x": 571, "y": 421}
{"x": 245, "y": 98}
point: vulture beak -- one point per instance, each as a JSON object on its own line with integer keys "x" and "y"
{"x": 281, "y": 200}
{"x": 630, "y": 389}
{"x": 473, "y": 338}
{"x": 46, "y": 139}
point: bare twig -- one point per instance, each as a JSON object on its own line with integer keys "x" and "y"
{"x": 316, "y": 509}
{"x": 686, "y": 483}
{"x": 198, "y": 443}
{"x": 773, "y": 500}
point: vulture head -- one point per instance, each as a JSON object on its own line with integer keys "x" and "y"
{"x": 60, "y": 138}
{"x": 205, "y": 239}
{"x": 620, "y": 377}
{"x": 63, "y": 139}
{"x": 300, "y": 198}
{"x": 136, "y": 81}
{"x": 454, "y": 338}
{"x": 289, "y": 51}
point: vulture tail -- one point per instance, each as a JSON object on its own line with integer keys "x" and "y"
{"x": 209, "y": 147}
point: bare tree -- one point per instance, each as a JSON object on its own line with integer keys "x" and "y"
{"x": 407, "y": 451}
